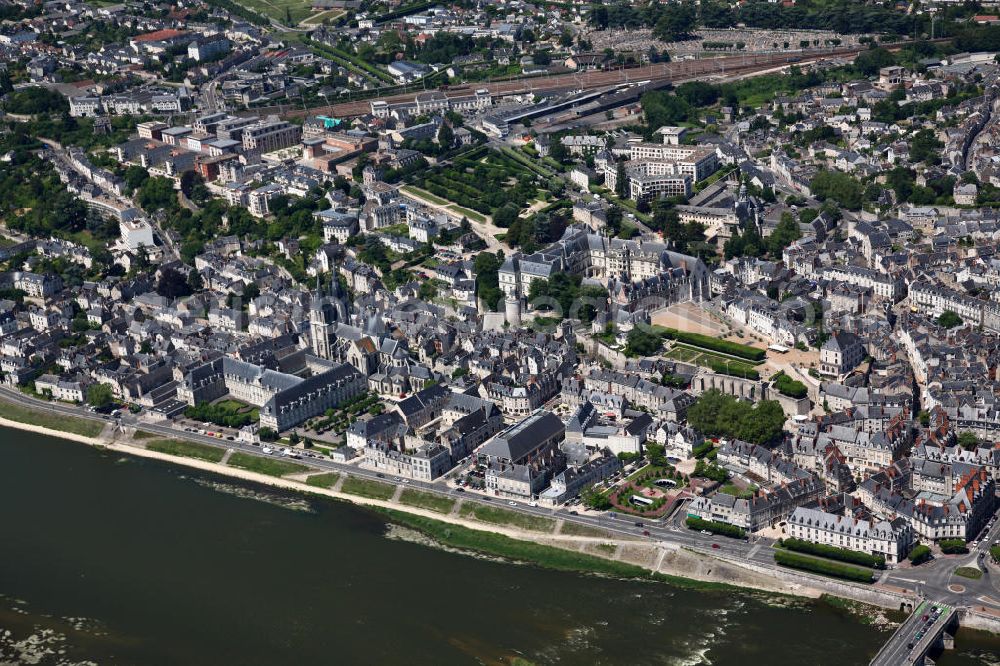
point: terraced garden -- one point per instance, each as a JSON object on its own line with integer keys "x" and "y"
{"x": 720, "y": 363}
{"x": 483, "y": 181}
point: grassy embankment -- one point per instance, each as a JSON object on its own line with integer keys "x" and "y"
{"x": 576, "y": 529}
{"x": 430, "y": 501}
{"x": 60, "y": 422}
{"x": 268, "y": 466}
{"x": 176, "y": 447}
{"x": 325, "y": 480}
{"x": 550, "y": 557}
{"x": 489, "y": 514}
{"x": 366, "y": 488}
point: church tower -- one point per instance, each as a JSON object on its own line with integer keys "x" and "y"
{"x": 319, "y": 324}
{"x": 326, "y": 312}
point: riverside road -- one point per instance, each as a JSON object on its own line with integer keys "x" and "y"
{"x": 934, "y": 580}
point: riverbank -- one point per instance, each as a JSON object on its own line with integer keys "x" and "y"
{"x": 606, "y": 554}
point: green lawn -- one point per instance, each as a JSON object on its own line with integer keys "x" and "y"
{"x": 237, "y": 407}
{"x": 490, "y": 514}
{"x": 438, "y": 201}
{"x": 713, "y": 355}
{"x": 327, "y": 480}
{"x": 969, "y": 572}
{"x": 44, "y": 419}
{"x": 234, "y": 405}
{"x": 735, "y": 491}
{"x": 140, "y": 435}
{"x": 431, "y": 501}
{"x": 471, "y": 214}
{"x": 424, "y": 194}
{"x": 298, "y": 9}
{"x": 367, "y": 488}
{"x": 528, "y": 162}
{"x": 709, "y": 359}
{"x": 268, "y": 466}
{"x": 317, "y": 19}
{"x": 176, "y": 447}
{"x": 657, "y": 470}
{"x": 575, "y": 529}
{"x": 682, "y": 354}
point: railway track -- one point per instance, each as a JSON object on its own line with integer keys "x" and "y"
{"x": 655, "y": 73}
{"x": 658, "y": 74}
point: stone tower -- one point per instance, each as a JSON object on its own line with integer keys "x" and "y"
{"x": 512, "y": 311}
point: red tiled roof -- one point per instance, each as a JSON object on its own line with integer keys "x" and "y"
{"x": 158, "y": 36}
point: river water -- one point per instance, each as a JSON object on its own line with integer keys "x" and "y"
{"x": 118, "y": 560}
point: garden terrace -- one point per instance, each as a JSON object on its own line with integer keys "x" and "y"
{"x": 482, "y": 180}
{"x": 697, "y": 340}
{"x": 641, "y": 495}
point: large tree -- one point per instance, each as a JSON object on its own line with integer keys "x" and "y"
{"x": 718, "y": 414}
{"x": 99, "y": 395}
{"x": 677, "y": 23}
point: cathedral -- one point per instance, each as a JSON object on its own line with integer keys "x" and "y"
{"x": 327, "y": 313}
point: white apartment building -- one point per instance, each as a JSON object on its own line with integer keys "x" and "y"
{"x": 136, "y": 234}
{"x": 891, "y": 540}
{"x": 882, "y": 285}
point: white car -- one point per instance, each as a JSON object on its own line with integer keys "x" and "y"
{"x": 512, "y": 503}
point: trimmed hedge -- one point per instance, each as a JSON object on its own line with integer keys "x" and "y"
{"x": 953, "y": 546}
{"x": 696, "y": 523}
{"x": 715, "y": 344}
{"x": 734, "y": 369}
{"x": 834, "y": 553}
{"x": 788, "y": 386}
{"x": 825, "y": 567}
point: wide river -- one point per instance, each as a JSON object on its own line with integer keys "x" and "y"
{"x": 118, "y": 560}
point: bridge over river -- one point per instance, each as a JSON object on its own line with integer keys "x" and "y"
{"x": 929, "y": 629}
